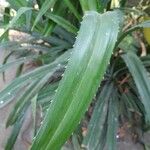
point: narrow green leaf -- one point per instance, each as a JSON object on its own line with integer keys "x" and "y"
{"x": 47, "y": 92}
{"x": 103, "y": 4}
{"x": 145, "y": 24}
{"x": 14, "y": 134}
{"x": 10, "y": 91}
{"x": 93, "y": 5}
{"x": 112, "y": 123}
{"x": 20, "y": 105}
{"x": 84, "y": 5}
{"x": 6, "y": 20}
{"x": 140, "y": 77}
{"x": 62, "y": 22}
{"x": 5, "y": 61}
{"x": 69, "y": 37}
{"x": 73, "y": 9}
{"x": 75, "y": 142}
{"x": 31, "y": 92}
{"x": 20, "y": 12}
{"x": 16, "y": 4}
{"x": 49, "y": 28}
{"x": 19, "y": 61}
{"x": 58, "y": 9}
{"x": 86, "y": 68}
{"x": 47, "y": 4}
{"x": 99, "y": 116}
{"x": 19, "y": 70}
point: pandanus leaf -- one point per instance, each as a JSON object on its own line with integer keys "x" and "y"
{"x": 87, "y": 65}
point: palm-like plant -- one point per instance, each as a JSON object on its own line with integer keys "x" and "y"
{"x": 102, "y": 64}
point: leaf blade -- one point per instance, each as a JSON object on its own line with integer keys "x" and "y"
{"x": 54, "y": 133}
{"x": 140, "y": 77}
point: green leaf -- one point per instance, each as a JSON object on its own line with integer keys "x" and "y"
{"x": 6, "y": 20}
{"x": 34, "y": 106}
{"x": 104, "y": 117}
{"x": 93, "y": 5}
{"x": 20, "y": 105}
{"x": 75, "y": 142}
{"x": 58, "y": 9}
{"x": 16, "y": 4}
{"x": 19, "y": 70}
{"x": 144, "y": 24}
{"x": 99, "y": 116}
{"x": 20, "y": 12}
{"x": 62, "y": 22}
{"x": 84, "y": 5}
{"x": 47, "y": 93}
{"x": 140, "y": 77}
{"x": 86, "y": 68}
{"x": 10, "y": 91}
{"x": 103, "y": 4}
{"x": 112, "y": 122}
{"x": 19, "y": 61}
{"x": 69, "y": 37}
{"x": 73, "y": 9}
{"x": 14, "y": 134}
{"x": 33, "y": 89}
{"x": 47, "y": 4}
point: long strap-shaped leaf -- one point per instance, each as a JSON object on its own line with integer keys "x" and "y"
{"x": 45, "y": 6}
{"x": 141, "y": 79}
{"x": 97, "y": 122}
{"x": 20, "y": 12}
{"x": 86, "y": 68}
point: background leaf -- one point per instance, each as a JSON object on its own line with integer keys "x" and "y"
{"x": 140, "y": 77}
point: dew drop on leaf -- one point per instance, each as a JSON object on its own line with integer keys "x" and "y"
{"x": 117, "y": 136}
{"x": 1, "y": 102}
{"x": 58, "y": 65}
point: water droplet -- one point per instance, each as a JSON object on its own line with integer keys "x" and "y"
{"x": 1, "y": 102}
{"x": 9, "y": 93}
{"x": 117, "y": 136}
{"x": 41, "y": 122}
{"x": 52, "y": 9}
{"x": 59, "y": 65}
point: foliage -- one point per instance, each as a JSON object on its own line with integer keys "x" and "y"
{"x": 105, "y": 54}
